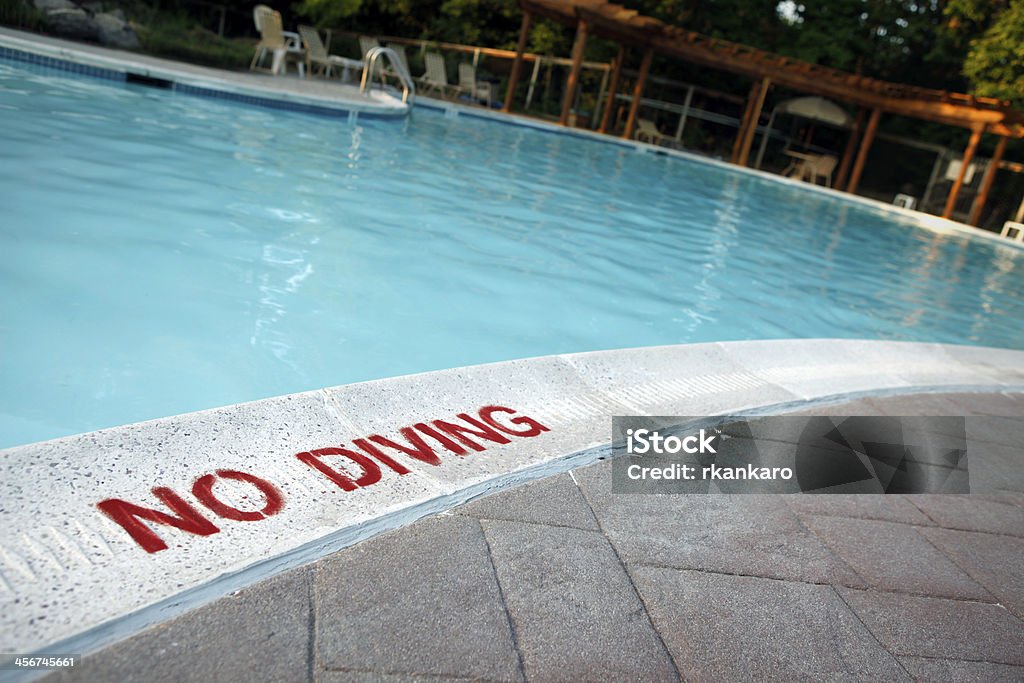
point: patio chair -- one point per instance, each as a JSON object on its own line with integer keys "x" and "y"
{"x": 436, "y": 76}
{"x": 317, "y": 57}
{"x": 812, "y": 167}
{"x": 367, "y": 43}
{"x": 402, "y": 58}
{"x": 478, "y": 91}
{"x": 646, "y": 131}
{"x": 1013, "y": 230}
{"x": 904, "y": 201}
{"x": 285, "y": 46}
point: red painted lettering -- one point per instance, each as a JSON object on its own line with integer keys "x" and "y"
{"x": 375, "y": 452}
{"x": 371, "y": 473}
{"x": 203, "y": 490}
{"x": 450, "y": 444}
{"x": 533, "y": 428}
{"x": 459, "y": 432}
{"x": 417, "y": 448}
{"x": 130, "y": 517}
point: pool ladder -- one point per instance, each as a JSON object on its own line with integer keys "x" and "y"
{"x": 398, "y": 68}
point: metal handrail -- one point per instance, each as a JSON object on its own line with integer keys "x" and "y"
{"x": 404, "y": 77}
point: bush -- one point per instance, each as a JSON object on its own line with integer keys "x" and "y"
{"x": 178, "y": 38}
{"x": 20, "y": 14}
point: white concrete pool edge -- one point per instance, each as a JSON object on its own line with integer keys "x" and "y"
{"x": 317, "y": 93}
{"x": 74, "y": 579}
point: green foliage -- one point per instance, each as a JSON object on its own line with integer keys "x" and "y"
{"x": 995, "y": 62}
{"x": 754, "y": 22}
{"x": 493, "y": 23}
{"x": 890, "y": 39}
{"x": 329, "y": 12}
{"x": 177, "y": 37}
{"x": 549, "y": 38}
{"x": 20, "y": 14}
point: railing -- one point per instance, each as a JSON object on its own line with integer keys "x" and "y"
{"x": 397, "y": 66}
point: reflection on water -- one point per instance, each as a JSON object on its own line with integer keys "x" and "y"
{"x": 185, "y": 253}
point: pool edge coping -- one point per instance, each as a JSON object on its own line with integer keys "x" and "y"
{"x": 193, "y": 79}
{"x": 780, "y": 377}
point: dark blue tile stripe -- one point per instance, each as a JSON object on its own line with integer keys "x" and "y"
{"x": 314, "y": 109}
{"x": 112, "y": 75}
{"x": 60, "y": 64}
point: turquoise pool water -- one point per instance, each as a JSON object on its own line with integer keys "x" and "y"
{"x": 162, "y": 254}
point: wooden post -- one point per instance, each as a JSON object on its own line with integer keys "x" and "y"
{"x": 862, "y": 153}
{"x": 851, "y": 147}
{"x": 517, "y": 64}
{"x": 986, "y": 184}
{"x": 638, "y": 92}
{"x": 574, "y": 71}
{"x": 741, "y": 132}
{"x": 954, "y": 192}
{"x": 755, "y": 116}
{"x": 613, "y": 89}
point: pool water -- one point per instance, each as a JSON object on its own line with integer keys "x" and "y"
{"x": 162, "y": 253}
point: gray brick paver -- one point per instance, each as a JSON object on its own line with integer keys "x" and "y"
{"x": 896, "y": 557}
{"x": 576, "y": 613}
{"x": 937, "y": 627}
{"x": 731, "y": 628}
{"x": 419, "y": 600}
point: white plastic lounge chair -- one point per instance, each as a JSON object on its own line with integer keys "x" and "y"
{"x": 318, "y": 59}
{"x": 904, "y": 201}
{"x": 1013, "y": 230}
{"x": 402, "y": 58}
{"x": 367, "y": 43}
{"x": 285, "y": 46}
{"x": 384, "y": 70}
{"x": 436, "y": 76}
{"x": 812, "y": 167}
{"x": 479, "y": 91}
{"x": 646, "y": 131}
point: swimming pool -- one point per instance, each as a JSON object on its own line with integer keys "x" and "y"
{"x": 162, "y": 253}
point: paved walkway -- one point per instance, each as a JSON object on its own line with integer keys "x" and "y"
{"x": 562, "y": 580}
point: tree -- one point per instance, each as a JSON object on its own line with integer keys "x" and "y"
{"x": 995, "y": 61}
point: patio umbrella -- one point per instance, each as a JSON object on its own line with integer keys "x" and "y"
{"x": 811, "y": 108}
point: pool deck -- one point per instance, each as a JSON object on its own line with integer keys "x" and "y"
{"x": 76, "y": 581}
{"x": 559, "y": 579}
{"x": 317, "y": 94}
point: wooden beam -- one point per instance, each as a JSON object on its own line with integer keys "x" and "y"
{"x": 862, "y": 153}
{"x": 813, "y": 79}
{"x": 517, "y": 64}
{"x": 638, "y": 92}
{"x": 741, "y": 132}
{"x": 613, "y": 89}
{"x": 986, "y": 184}
{"x": 954, "y": 192}
{"x": 851, "y": 147}
{"x": 574, "y": 71}
{"x": 891, "y": 98}
{"x": 755, "y": 116}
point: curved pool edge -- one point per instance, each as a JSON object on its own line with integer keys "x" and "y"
{"x": 99, "y": 585}
{"x": 315, "y": 96}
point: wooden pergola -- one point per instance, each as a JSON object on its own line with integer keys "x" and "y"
{"x": 628, "y": 28}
